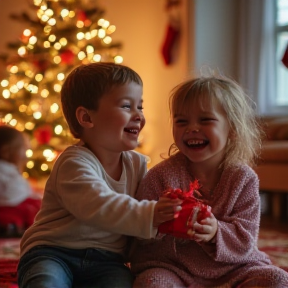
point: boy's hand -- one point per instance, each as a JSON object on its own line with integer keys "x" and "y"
{"x": 205, "y": 230}
{"x": 166, "y": 209}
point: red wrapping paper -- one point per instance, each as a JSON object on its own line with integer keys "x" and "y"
{"x": 193, "y": 210}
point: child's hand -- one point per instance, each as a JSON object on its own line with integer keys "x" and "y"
{"x": 166, "y": 209}
{"x": 205, "y": 230}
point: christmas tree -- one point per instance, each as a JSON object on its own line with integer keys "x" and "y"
{"x": 60, "y": 36}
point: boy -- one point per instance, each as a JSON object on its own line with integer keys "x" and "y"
{"x": 88, "y": 202}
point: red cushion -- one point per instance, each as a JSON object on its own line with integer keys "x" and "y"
{"x": 22, "y": 215}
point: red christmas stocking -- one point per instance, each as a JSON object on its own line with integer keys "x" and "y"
{"x": 173, "y": 30}
{"x": 171, "y": 38}
{"x": 285, "y": 58}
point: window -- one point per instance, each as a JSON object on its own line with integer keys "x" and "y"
{"x": 281, "y": 45}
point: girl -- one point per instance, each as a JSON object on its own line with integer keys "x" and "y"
{"x": 18, "y": 203}
{"x": 217, "y": 139}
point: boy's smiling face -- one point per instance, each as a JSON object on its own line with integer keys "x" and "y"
{"x": 117, "y": 122}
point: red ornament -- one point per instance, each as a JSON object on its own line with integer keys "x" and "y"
{"x": 193, "y": 210}
{"x": 43, "y": 134}
{"x": 81, "y": 16}
{"x": 41, "y": 65}
{"x": 67, "y": 56}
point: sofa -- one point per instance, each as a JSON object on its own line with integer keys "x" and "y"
{"x": 272, "y": 168}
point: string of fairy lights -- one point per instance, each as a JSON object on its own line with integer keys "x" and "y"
{"x": 65, "y": 34}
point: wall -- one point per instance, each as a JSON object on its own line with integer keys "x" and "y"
{"x": 141, "y": 27}
{"x": 215, "y": 35}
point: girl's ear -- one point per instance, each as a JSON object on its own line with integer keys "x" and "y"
{"x": 83, "y": 117}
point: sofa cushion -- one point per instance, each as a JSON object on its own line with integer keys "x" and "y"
{"x": 275, "y": 151}
{"x": 277, "y": 128}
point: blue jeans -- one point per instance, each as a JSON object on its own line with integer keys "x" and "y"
{"x": 57, "y": 267}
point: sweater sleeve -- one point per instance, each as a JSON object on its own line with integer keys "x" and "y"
{"x": 85, "y": 194}
{"x": 150, "y": 187}
{"x": 238, "y": 230}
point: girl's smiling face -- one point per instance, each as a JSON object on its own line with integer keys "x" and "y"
{"x": 201, "y": 131}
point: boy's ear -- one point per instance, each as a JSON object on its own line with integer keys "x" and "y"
{"x": 83, "y": 117}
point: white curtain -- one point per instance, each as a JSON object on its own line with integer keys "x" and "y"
{"x": 257, "y": 52}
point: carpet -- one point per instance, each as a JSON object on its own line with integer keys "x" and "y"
{"x": 274, "y": 243}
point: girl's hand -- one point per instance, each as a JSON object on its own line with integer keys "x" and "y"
{"x": 166, "y": 209}
{"x": 205, "y": 230}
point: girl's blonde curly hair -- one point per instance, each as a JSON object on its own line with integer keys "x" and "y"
{"x": 245, "y": 145}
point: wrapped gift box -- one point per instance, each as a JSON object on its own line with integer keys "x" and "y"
{"x": 193, "y": 210}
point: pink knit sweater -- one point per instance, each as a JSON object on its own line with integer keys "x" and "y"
{"x": 232, "y": 259}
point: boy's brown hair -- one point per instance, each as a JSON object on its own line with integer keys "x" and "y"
{"x": 87, "y": 84}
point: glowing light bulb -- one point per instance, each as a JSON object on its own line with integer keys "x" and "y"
{"x": 6, "y": 93}
{"x": 49, "y": 12}
{"x": 29, "y": 125}
{"x": 107, "y": 40}
{"x": 57, "y": 46}
{"x": 14, "y": 69}
{"x": 49, "y": 155}
{"x": 14, "y": 89}
{"x": 80, "y": 24}
{"x": 46, "y": 44}
{"x": 57, "y": 87}
{"x": 58, "y": 129}
{"x": 38, "y": 77}
{"x": 22, "y": 51}
{"x": 88, "y": 36}
{"x": 101, "y": 33}
{"x": 54, "y": 108}
{"x": 37, "y": 115}
{"x": 97, "y": 58}
{"x": 71, "y": 14}
{"x": 27, "y": 32}
{"x": 13, "y": 122}
{"x": 94, "y": 33}
{"x": 80, "y": 36}
{"x": 44, "y": 167}
{"x": 64, "y": 13}
{"x": 29, "y": 153}
{"x": 52, "y": 22}
{"x": 101, "y": 22}
{"x": 57, "y": 59}
{"x": 22, "y": 108}
{"x": 60, "y": 76}
{"x": 44, "y": 93}
{"x": 90, "y": 49}
{"x": 111, "y": 29}
{"x": 52, "y": 38}
{"x": 30, "y": 164}
{"x": 118, "y": 59}
{"x": 20, "y": 84}
{"x": 8, "y": 117}
{"x": 4, "y": 83}
{"x": 32, "y": 40}
{"x": 63, "y": 41}
{"x": 44, "y": 18}
{"x": 81, "y": 55}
